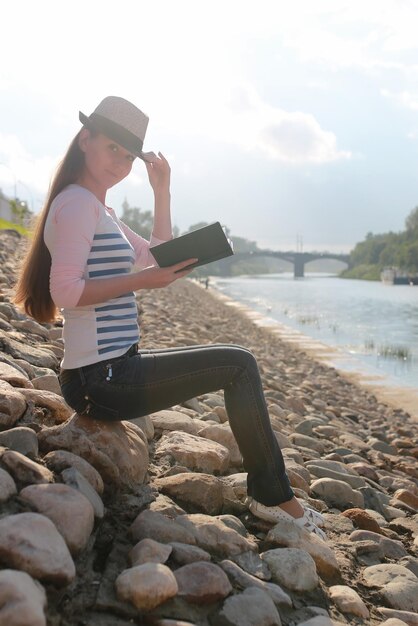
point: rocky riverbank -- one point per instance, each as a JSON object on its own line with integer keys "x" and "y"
{"x": 144, "y": 522}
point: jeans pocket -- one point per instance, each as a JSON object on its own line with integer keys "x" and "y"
{"x": 100, "y": 412}
{"x": 74, "y": 397}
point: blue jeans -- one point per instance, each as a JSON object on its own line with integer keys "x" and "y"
{"x": 139, "y": 383}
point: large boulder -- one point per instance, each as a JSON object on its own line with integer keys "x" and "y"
{"x": 116, "y": 449}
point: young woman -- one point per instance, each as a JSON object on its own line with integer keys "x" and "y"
{"x": 85, "y": 261}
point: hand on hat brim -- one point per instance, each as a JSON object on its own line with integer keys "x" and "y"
{"x": 149, "y": 157}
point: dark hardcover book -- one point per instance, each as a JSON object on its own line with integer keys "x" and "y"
{"x": 206, "y": 244}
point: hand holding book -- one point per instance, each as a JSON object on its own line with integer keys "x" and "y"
{"x": 205, "y": 244}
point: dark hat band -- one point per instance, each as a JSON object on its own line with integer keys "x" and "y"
{"x": 114, "y": 131}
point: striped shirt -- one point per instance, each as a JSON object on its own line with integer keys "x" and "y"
{"x": 87, "y": 241}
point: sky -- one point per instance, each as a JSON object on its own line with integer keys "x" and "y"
{"x": 295, "y": 124}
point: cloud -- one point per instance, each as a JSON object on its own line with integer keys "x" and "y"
{"x": 28, "y": 175}
{"x": 403, "y": 98}
{"x": 290, "y": 137}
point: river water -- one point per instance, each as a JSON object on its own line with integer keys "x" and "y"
{"x": 372, "y": 328}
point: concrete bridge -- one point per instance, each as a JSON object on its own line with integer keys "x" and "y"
{"x": 298, "y": 259}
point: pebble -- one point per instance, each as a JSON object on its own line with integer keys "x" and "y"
{"x": 243, "y": 580}
{"x": 292, "y": 567}
{"x": 47, "y": 382}
{"x": 252, "y": 606}
{"x": 59, "y": 460}
{"x": 153, "y": 525}
{"x": 182, "y": 553}
{"x": 202, "y": 583}
{"x": 174, "y": 420}
{"x": 14, "y": 376}
{"x": 252, "y": 564}
{"x": 397, "y": 584}
{"x": 71, "y": 512}
{"x": 405, "y": 616}
{"x": 325, "y": 472}
{"x": 347, "y": 600}
{"x": 389, "y": 548}
{"x": 20, "y": 439}
{"x": 12, "y": 405}
{"x": 7, "y": 486}
{"x": 22, "y": 600}
{"x": 337, "y": 493}
{"x": 287, "y": 533}
{"x": 25, "y": 470}
{"x": 76, "y": 480}
{"x": 194, "y": 452}
{"x": 362, "y": 519}
{"x": 146, "y": 586}
{"x": 214, "y": 536}
{"x": 203, "y": 492}
{"x": 31, "y": 542}
{"x": 149, "y": 551}
{"x": 223, "y": 434}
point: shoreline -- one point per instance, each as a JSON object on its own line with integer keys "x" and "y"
{"x": 398, "y": 397}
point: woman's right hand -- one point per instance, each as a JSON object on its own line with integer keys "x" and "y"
{"x": 157, "y": 277}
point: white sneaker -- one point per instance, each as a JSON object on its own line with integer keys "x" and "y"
{"x": 275, "y": 513}
{"x": 313, "y": 516}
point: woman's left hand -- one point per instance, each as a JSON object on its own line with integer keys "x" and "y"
{"x": 159, "y": 173}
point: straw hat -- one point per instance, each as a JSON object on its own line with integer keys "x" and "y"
{"x": 122, "y": 122}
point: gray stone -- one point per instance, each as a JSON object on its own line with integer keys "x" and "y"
{"x": 213, "y": 535}
{"x": 184, "y": 554}
{"x": 252, "y": 564}
{"x": 175, "y": 420}
{"x": 56, "y": 405}
{"x": 20, "y": 350}
{"x": 73, "y": 478}
{"x": 24, "y": 470}
{"x": 389, "y": 548}
{"x": 21, "y": 439}
{"x": 166, "y": 506}
{"x": 12, "y": 405}
{"x": 7, "y": 486}
{"x": 397, "y": 584}
{"x": 202, "y": 583}
{"x": 48, "y": 382}
{"x": 153, "y": 525}
{"x": 222, "y": 434}
{"x": 146, "y": 586}
{"x": 348, "y": 601}
{"x": 59, "y": 460}
{"x": 31, "y": 542}
{"x": 14, "y": 375}
{"x": 252, "y": 606}
{"x": 287, "y": 533}
{"x": 194, "y": 452}
{"x": 149, "y": 551}
{"x": 145, "y": 424}
{"x": 203, "y": 492}
{"x": 337, "y": 493}
{"x": 70, "y": 511}
{"x": 243, "y": 580}
{"x": 405, "y": 616}
{"x": 23, "y": 600}
{"x": 293, "y": 568}
{"x": 325, "y": 472}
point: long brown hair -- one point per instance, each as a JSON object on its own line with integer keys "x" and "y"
{"x": 32, "y": 287}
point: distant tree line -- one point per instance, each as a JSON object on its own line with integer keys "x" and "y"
{"x": 141, "y": 222}
{"x": 398, "y": 250}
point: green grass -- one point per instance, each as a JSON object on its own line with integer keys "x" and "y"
{"x": 4, "y": 224}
